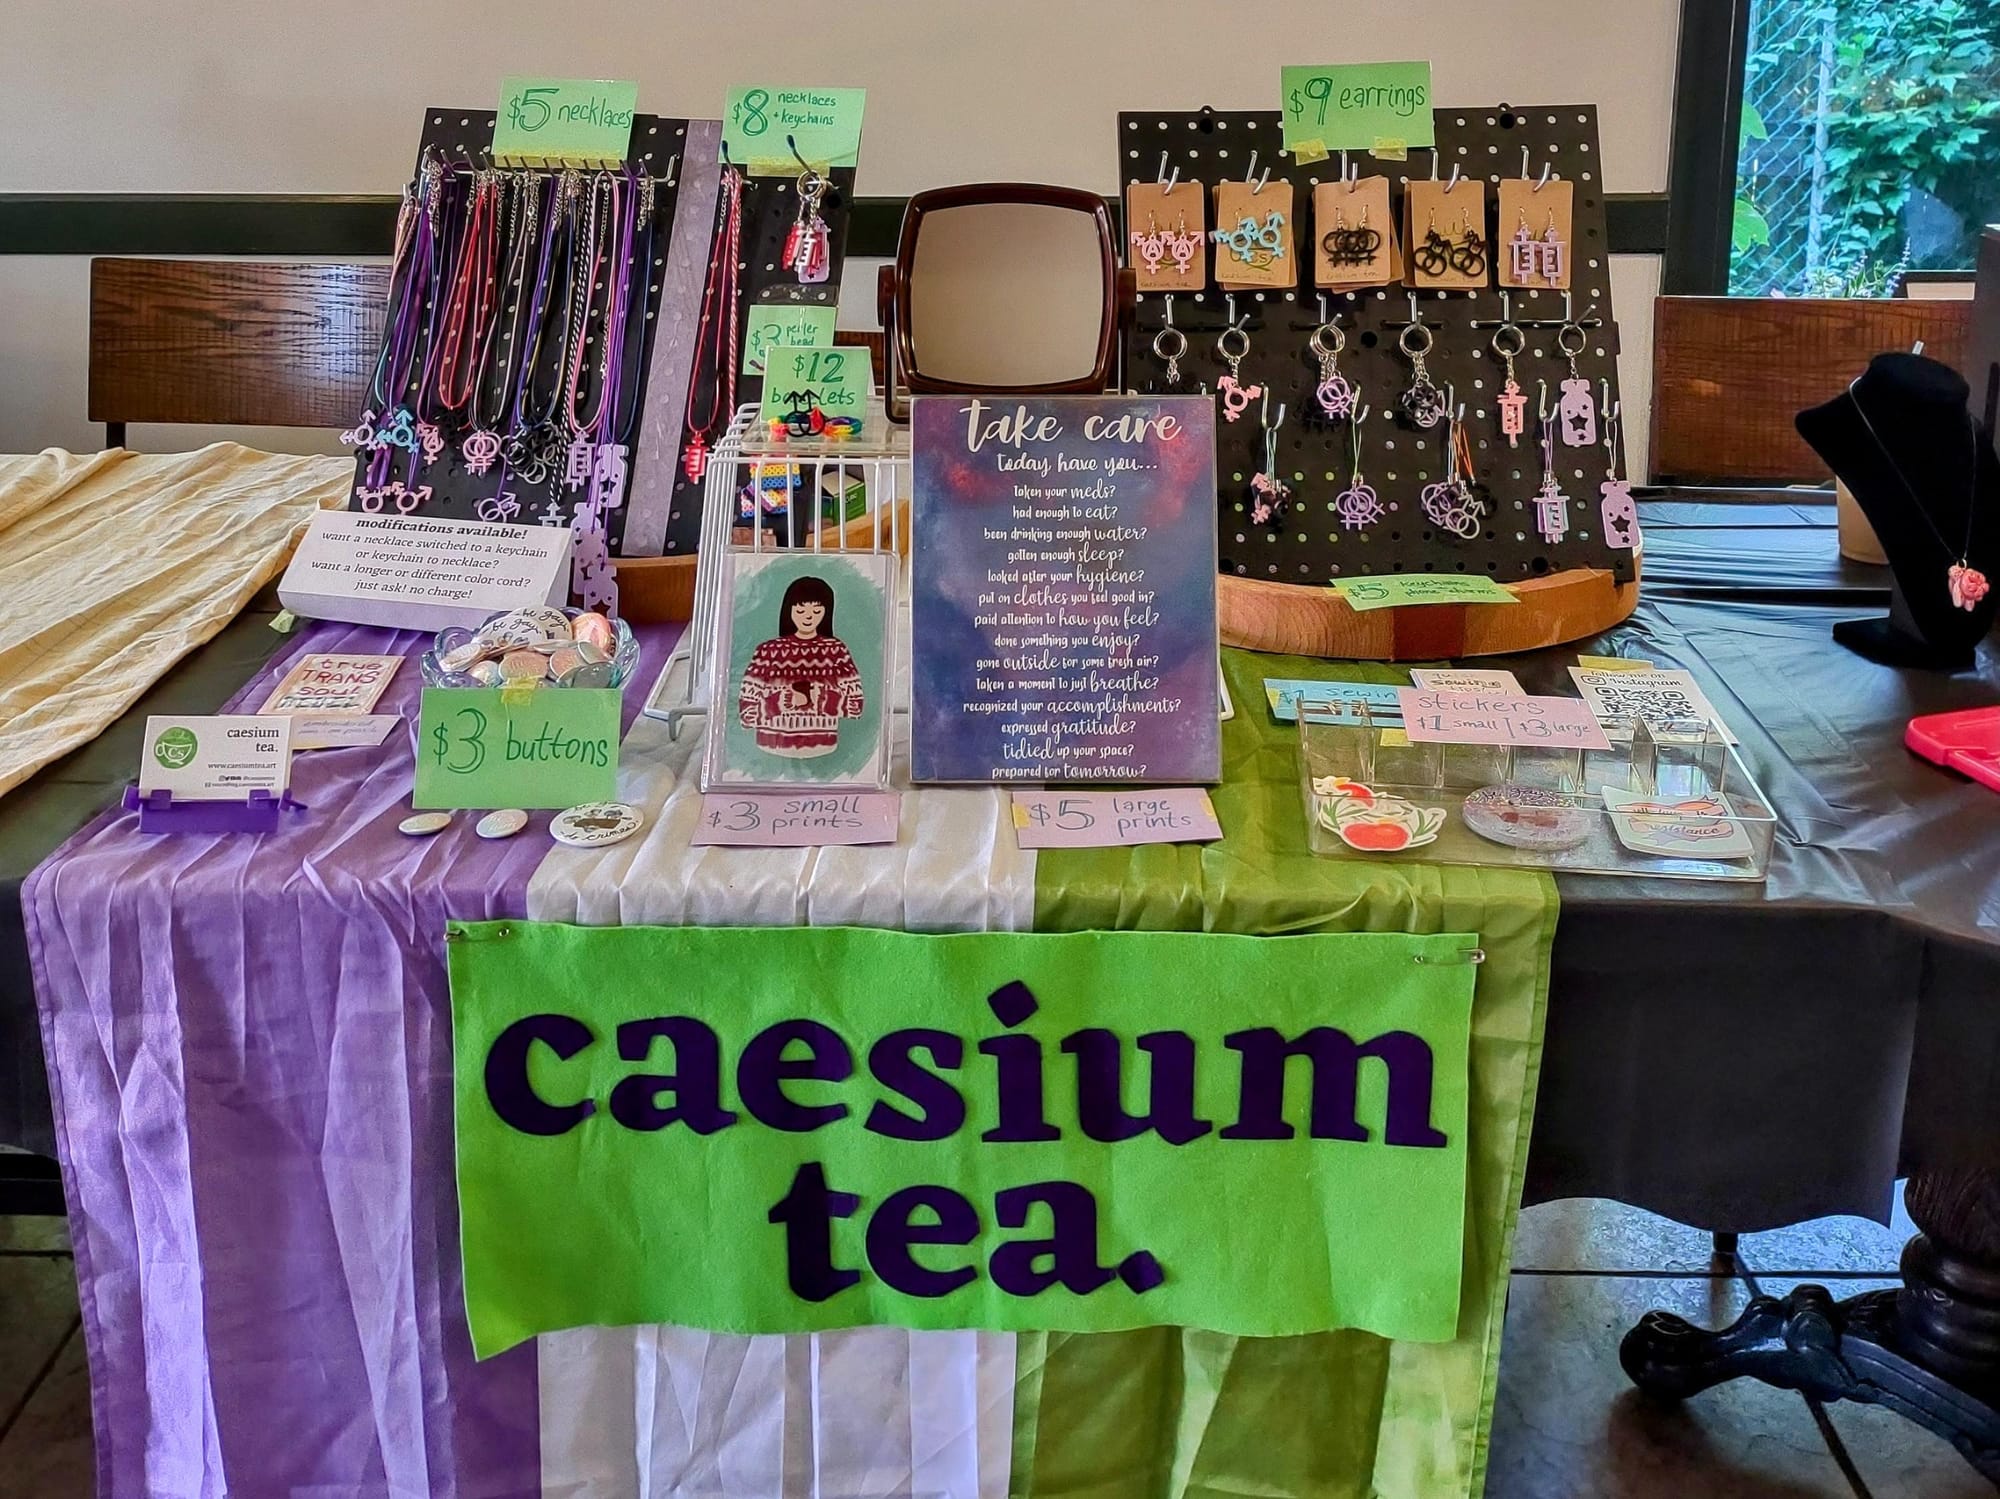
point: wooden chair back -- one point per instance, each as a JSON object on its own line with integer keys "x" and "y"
{"x": 1730, "y": 373}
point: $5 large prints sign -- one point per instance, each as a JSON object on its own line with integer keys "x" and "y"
{"x": 817, "y": 1128}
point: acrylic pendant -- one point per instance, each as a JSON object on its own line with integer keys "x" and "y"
{"x": 1551, "y": 511}
{"x": 1579, "y": 414}
{"x": 1183, "y": 244}
{"x": 1149, "y": 248}
{"x": 607, "y": 475}
{"x": 1270, "y": 499}
{"x": 1530, "y": 259}
{"x": 1513, "y": 412}
{"x": 1451, "y": 505}
{"x": 1423, "y": 403}
{"x": 400, "y": 495}
{"x": 1236, "y": 398}
{"x": 577, "y": 464}
{"x": 362, "y": 433}
{"x": 1357, "y": 505}
{"x": 430, "y": 441}
{"x": 498, "y": 508}
{"x": 1257, "y": 246}
{"x": 400, "y": 432}
{"x": 480, "y": 449}
{"x": 1619, "y": 515}
{"x": 694, "y": 462}
{"x": 1966, "y": 584}
{"x": 813, "y": 257}
{"x": 1334, "y": 393}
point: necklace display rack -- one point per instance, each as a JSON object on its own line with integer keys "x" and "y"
{"x": 1274, "y": 593}
{"x": 464, "y": 138}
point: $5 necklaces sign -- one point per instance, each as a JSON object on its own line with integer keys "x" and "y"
{"x": 532, "y": 748}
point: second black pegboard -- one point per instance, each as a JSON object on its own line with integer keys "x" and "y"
{"x": 1309, "y": 546}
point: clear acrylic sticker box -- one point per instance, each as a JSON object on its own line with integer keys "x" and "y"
{"x": 1694, "y": 794}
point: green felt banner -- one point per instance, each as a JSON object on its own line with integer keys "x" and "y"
{"x": 818, "y": 1128}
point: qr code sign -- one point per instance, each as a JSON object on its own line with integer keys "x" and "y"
{"x": 1654, "y": 704}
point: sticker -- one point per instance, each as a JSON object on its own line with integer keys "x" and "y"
{"x": 1528, "y": 816}
{"x": 325, "y": 683}
{"x": 1695, "y": 827}
{"x": 1371, "y": 821}
{"x": 595, "y": 825}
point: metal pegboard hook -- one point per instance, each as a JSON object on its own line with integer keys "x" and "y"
{"x": 673, "y": 169}
{"x": 1165, "y": 181}
{"x": 1542, "y": 399}
{"x": 1170, "y": 309}
{"x": 1258, "y": 185}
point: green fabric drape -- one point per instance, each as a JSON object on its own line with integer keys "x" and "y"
{"x": 1175, "y": 1413}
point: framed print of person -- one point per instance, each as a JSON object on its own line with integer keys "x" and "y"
{"x": 802, "y": 685}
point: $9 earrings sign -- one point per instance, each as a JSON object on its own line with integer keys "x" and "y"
{"x": 545, "y": 747}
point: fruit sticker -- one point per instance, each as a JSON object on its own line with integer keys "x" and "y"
{"x": 1371, "y": 821}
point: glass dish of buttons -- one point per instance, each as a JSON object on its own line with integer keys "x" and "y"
{"x": 541, "y": 646}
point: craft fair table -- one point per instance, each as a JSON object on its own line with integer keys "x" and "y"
{"x": 1734, "y": 1057}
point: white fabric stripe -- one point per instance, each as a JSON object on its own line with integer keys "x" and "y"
{"x": 672, "y": 1413}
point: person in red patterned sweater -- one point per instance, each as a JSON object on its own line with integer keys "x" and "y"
{"x": 798, "y": 687}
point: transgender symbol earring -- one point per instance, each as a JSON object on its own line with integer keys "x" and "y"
{"x": 1579, "y": 412}
{"x": 1150, "y": 247}
{"x": 1357, "y": 505}
{"x": 1508, "y": 342}
{"x": 1170, "y": 344}
{"x": 1423, "y": 403}
{"x": 1334, "y": 394}
{"x": 808, "y": 244}
{"x": 1270, "y": 496}
{"x": 1236, "y": 396}
{"x": 1551, "y": 504}
{"x": 1615, "y": 507}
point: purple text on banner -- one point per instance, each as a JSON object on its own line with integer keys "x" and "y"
{"x": 1112, "y": 819}
{"x": 766, "y": 820}
{"x": 1434, "y": 717}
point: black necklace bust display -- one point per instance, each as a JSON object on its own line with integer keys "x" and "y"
{"x": 1922, "y": 468}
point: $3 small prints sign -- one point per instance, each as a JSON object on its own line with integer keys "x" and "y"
{"x": 548, "y": 747}
{"x": 804, "y": 387}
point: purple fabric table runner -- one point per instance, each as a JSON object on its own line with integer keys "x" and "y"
{"x": 249, "y": 1052}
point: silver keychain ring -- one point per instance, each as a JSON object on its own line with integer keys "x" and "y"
{"x": 1222, "y": 349}
{"x": 1563, "y": 336}
{"x": 1519, "y": 341}
{"x": 1409, "y": 345}
{"x": 1162, "y": 349}
{"x": 1321, "y": 346}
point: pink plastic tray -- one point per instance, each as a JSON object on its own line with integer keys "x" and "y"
{"x": 1967, "y": 741}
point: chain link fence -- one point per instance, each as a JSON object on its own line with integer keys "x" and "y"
{"x": 1871, "y": 142}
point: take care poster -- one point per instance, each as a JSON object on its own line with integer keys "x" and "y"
{"x": 813, "y": 1128}
{"x": 1063, "y": 590}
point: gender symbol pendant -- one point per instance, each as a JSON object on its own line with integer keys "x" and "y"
{"x": 1255, "y": 245}
{"x": 1579, "y": 412}
{"x": 1513, "y": 412}
{"x": 1966, "y": 584}
{"x": 1236, "y": 398}
{"x": 1358, "y": 506}
{"x": 1423, "y": 402}
{"x": 503, "y": 506}
{"x": 362, "y": 433}
{"x": 1334, "y": 393}
{"x": 1149, "y": 247}
{"x": 430, "y": 441}
{"x": 1183, "y": 244}
{"x": 480, "y": 449}
{"x": 400, "y": 432}
{"x": 1619, "y": 514}
{"x": 397, "y": 493}
{"x": 1345, "y": 246}
{"x": 1452, "y": 506}
{"x": 1270, "y": 499}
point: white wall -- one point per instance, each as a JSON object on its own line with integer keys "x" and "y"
{"x": 325, "y": 96}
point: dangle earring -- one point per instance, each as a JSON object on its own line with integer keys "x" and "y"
{"x": 1433, "y": 256}
{"x": 1357, "y": 505}
{"x": 1551, "y": 504}
{"x": 1345, "y": 246}
{"x": 808, "y": 244}
{"x": 1236, "y": 396}
{"x": 1333, "y": 393}
{"x": 1508, "y": 343}
{"x": 1579, "y": 412}
{"x": 1170, "y": 344}
{"x": 1453, "y": 503}
{"x": 1150, "y": 247}
{"x": 1468, "y": 249}
{"x": 1423, "y": 404}
{"x": 1270, "y": 496}
{"x": 1615, "y": 507}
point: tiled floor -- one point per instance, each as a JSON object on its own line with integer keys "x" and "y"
{"x": 1567, "y": 1424}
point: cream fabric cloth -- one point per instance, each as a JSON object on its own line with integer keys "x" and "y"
{"x": 115, "y": 565}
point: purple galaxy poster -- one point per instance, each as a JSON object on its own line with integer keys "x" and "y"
{"x": 1063, "y": 590}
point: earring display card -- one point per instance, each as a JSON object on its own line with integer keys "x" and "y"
{"x": 1253, "y": 235}
{"x": 1445, "y": 228}
{"x": 1167, "y": 235}
{"x": 1534, "y": 232}
{"x": 1354, "y": 235}
{"x": 1333, "y": 529}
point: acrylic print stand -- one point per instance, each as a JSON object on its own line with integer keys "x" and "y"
{"x": 1274, "y": 594}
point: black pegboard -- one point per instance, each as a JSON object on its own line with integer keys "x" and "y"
{"x": 1309, "y": 546}
{"x": 465, "y": 137}
{"x": 770, "y": 207}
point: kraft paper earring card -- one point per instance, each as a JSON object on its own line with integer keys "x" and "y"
{"x": 802, "y": 671}
{"x": 1166, "y": 235}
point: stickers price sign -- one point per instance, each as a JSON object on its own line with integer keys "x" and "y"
{"x": 1380, "y": 107}
{"x": 806, "y": 388}
{"x": 542, "y": 748}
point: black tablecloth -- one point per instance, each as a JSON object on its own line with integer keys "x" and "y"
{"x": 1734, "y": 1056}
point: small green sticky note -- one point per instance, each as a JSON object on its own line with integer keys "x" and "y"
{"x": 1309, "y": 151}
{"x": 1395, "y": 589}
{"x": 784, "y": 323}
{"x": 1358, "y": 106}
{"x": 767, "y": 131}
{"x": 570, "y": 121}
{"x": 799, "y": 382}
{"x": 530, "y": 747}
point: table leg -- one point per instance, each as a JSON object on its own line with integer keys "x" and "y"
{"x": 1929, "y": 1351}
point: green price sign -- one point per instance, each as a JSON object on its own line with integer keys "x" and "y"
{"x": 1402, "y": 589}
{"x": 768, "y": 131}
{"x": 537, "y": 747}
{"x": 806, "y": 388}
{"x": 1381, "y": 107}
{"x": 568, "y": 121}
{"x": 781, "y": 324}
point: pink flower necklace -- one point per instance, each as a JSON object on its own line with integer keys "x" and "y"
{"x": 1966, "y": 583}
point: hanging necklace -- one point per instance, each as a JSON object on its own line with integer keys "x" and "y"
{"x": 1965, "y": 583}
{"x": 481, "y": 445}
{"x": 717, "y": 331}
